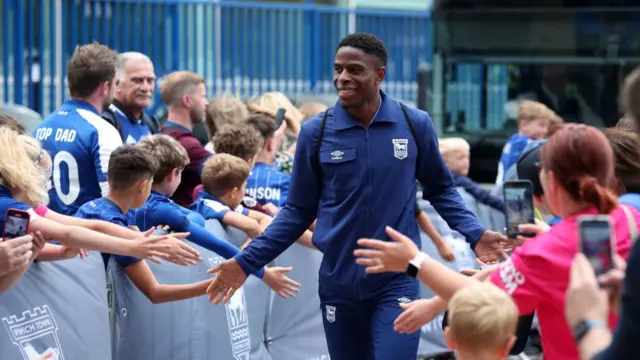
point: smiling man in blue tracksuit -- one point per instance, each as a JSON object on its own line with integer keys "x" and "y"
{"x": 355, "y": 169}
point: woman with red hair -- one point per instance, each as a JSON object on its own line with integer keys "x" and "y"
{"x": 576, "y": 171}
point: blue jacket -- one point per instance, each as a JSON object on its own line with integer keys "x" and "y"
{"x": 359, "y": 181}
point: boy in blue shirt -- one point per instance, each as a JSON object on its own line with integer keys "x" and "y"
{"x": 265, "y": 183}
{"x": 159, "y": 209}
{"x": 224, "y": 178}
{"x": 130, "y": 178}
{"x": 456, "y": 153}
{"x": 533, "y": 123}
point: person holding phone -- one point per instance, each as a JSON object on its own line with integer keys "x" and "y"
{"x": 288, "y": 118}
{"x": 16, "y": 255}
{"x": 589, "y": 300}
{"x": 576, "y": 169}
{"x": 267, "y": 184}
{"x": 23, "y": 187}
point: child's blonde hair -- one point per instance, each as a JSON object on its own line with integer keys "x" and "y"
{"x": 529, "y": 110}
{"x": 21, "y": 166}
{"x": 482, "y": 317}
{"x": 448, "y": 145}
{"x": 222, "y": 110}
{"x": 223, "y": 172}
{"x": 269, "y": 103}
{"x": 311, "y": 109}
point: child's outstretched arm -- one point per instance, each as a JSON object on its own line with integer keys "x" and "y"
{"x": 141, "y": 275}
{"x": 445, "y": 250}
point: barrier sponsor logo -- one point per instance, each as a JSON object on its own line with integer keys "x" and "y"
{"x": 400, "y": 148}
{"x": 237, "y": 321}
{"x": 35, "y": 333}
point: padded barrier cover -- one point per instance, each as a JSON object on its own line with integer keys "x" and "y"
{"x": 193, "y": 328}
{"x": 295, "y": 330}
{"x": 58, "y": 307}
{"x": 432, "y": 336}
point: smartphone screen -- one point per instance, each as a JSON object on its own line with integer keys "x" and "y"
{"x": 519, "y": 207}
{"x": 279, "y": 117}
{"x": 595, "y": 242}
{"x": 16, "y": 224}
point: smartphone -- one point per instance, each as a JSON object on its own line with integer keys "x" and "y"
{"x": 16, "y": 224}
{"x": 279, "y": 117}
{"x": 596, "y": 241}
{"x": 519, "y": 206}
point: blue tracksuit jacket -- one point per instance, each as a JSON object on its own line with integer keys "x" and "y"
{"x": 359, "y": 181}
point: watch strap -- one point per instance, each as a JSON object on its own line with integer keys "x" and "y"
{"x": 583, "y": 327}
{"x": 414, "y": 264}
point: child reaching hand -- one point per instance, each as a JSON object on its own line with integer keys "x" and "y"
{"x": 456, "y": 153}
{"x": 445, "y": 250}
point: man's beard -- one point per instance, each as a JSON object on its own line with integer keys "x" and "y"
{"x": 106, "y": 104}
{"x": 351, "y": 105}
{"x": 196, "y": 117}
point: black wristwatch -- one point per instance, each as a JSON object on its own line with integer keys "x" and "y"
{"x": 583, "y": 327}
{"x": 414, "y": 264}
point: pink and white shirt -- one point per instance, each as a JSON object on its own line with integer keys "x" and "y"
{"x": 537, "y": 277}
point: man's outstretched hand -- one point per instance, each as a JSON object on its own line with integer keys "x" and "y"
{"x": 229, "y": 278}
{"x": 490, "y": 246}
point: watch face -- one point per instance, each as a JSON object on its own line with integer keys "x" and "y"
{"x": 249, "y": 202}
{"x": 412, "y": 270}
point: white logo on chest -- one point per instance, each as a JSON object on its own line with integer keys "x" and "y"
{"x": 337, "y": 155}
{"x": 400, "y": 148}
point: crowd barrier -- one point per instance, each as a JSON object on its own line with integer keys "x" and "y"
{"x": 58, "y": 307}
{"x": 62, "y": 307}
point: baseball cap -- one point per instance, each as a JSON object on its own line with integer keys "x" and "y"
{"x": 527, "y": 166}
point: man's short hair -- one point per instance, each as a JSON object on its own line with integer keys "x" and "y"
{"x": 223, "y": 172}
{"x": 168, "y": 152}
{"x": 224, "y": 109}
{"x": 482, "y": 316}
{"x": 448, "y": 145}
{"x": 10, "y": 122}
{"x": 265, "y": 125}
{"x": 129, "y": 164}
{"x": 90, "y": 66}
{"x": 125, "y": 57}
{"x": 178, "y": 84}
{"x": 239, "y": 140}
{"x": 367, "y": 43}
